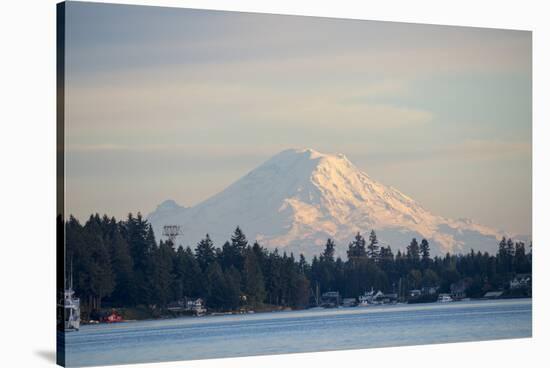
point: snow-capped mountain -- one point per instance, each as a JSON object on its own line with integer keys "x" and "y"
{"x": 299, "y": 198}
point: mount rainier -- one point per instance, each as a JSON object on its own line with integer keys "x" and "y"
{"x": 300, "y": 197}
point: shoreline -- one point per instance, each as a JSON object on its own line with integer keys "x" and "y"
{"x": 289, "y": 309}
{"x": 184, "y": 315}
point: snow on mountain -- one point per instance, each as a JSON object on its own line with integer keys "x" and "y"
{"x": 300, "y": 197}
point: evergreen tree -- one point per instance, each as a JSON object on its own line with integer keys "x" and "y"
{"x": 510, "y": 248}
{"x": 182, "y": 285}
{"x": 232, "y": 292}
{"x": 140, "y": 238}
{"x": 216, "y": 297}
{"x": 136, "y": 231}
{"x": 289, "y": 276}
{"x": 238, "y": 239}
{"x": 328, "y": 252}
{"x": 521, "y": 261}
{"x": 386, "y": 254}
{"x": 261, "y": 255}
{"x": 388, "y": 265}
{"x": 413, "y": 252}
{"x": 339, "y": 276}
{"x": 163, "y": 274}
{"x": 273, "y": 278}
{"x": 414, "y": 279}
{"x": 356, "y": 248}
{"x": 205, "y": 253}
{"x": 300, "y": 292}
{"x": 123, "y": 264}
{"x": 101, "y": 275}
{"x": 192, "y": 278}
{"x": 303, "y": 267}
{"x": 425, "y": 252}
{"x": 373, "y": 247}
{"x": 502, "y": 249}
{"x": 77, "y": 258}
{"x": 430, "y": 278}
{"x": 325, "y": 272}
{"x": 259, "y": 251}
{"x": 502, "y": 257}
{"x": 314, "y": 277}
{"x": 253, "y": 279}
{"x": 230, "y": 255}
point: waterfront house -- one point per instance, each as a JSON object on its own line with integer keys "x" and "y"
{"x": 196, "y": 305}
{"x": 177, "y": 306}
{"x": 389, "y": 298}
{"x": 415, "y": 293}
{"x": 458, "y": 289}
{"x": 187, "y": 305}
{"x": 424, "y": 295}
{"x": 521, "y": 281}
{"x": 429, "y": 290}
{"x": 330, "y": 299}
{"x": 349, "y": 302}
{"x": 378, "y": 297}
{"x": 367, "y": 297}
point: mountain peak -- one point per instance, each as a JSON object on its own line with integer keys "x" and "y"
{"x": 308, "y": 157}
{"x": 169, "y": 205}
{"x": 300, "y": 197}
{"x": 314, "y": 154}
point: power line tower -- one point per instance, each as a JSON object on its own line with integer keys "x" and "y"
{"x": 172, "y": 232}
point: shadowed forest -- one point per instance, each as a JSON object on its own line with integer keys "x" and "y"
{"x": 120, "y": 264}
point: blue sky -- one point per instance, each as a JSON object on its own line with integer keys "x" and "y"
{"x": 174, "y": 103}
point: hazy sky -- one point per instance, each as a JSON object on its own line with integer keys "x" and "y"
{"x": 173, "y": 103}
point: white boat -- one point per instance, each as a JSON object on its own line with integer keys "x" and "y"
{"x": 72, "y": 311}
{"x": 444, "y": 298}
{"x": 70, "y": 306}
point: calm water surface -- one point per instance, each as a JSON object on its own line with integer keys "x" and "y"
{"x": 298, "y": 331}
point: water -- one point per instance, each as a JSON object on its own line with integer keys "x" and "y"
{"x": 298, "y": 331}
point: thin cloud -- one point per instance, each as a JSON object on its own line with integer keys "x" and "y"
{"x": 468, "y": 150}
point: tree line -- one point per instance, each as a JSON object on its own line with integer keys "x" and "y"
{"x": 120, "y": 264}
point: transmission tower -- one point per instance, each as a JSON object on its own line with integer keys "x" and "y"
{"x": 172, "y": 232}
